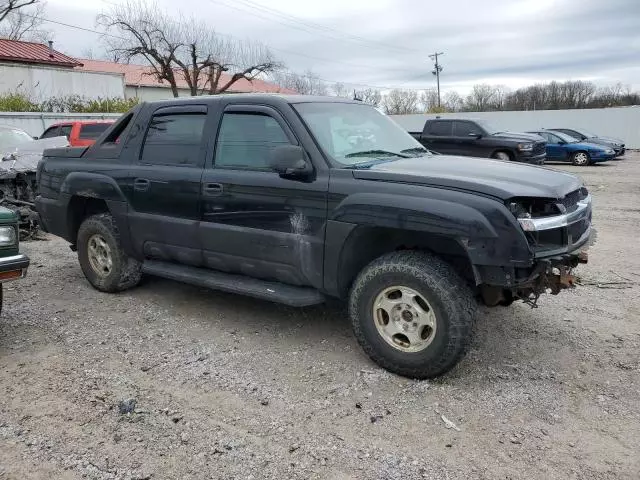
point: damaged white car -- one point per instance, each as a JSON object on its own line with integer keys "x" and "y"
{"x": 20, "y": 156}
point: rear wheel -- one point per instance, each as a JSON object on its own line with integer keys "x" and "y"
{"x": 412, "y": 314}
{"x": 501, "y": 156}
{"x": 580, "y": 159}
{"x": 107, "y": 267}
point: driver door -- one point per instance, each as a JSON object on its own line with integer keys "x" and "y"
{"x": 255, "y": 222}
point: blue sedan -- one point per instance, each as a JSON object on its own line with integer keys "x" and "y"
{"x": 562, "y": 147}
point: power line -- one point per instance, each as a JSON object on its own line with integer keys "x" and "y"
{"x": 300, "y": 24}
{"x": 379, "y": 87}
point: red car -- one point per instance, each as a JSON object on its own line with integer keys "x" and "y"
{"x": 81, "y": 133}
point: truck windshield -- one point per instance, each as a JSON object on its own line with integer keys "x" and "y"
{"x": 353, "y": 134}
{"x": 490, "y": 129}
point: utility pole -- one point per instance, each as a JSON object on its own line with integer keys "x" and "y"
{"x": 436, "y": 71}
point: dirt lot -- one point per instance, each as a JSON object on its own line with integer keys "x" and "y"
{"x": 230, "y": 387}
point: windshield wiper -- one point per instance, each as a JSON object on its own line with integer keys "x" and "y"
{"x": 415, "y": 150}
{"x": 365, "y": 165}
{"x": 371, "y": 153}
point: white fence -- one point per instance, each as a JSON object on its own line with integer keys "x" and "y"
{"x": 36, "y": 123}
{"x": 623, "y": 122}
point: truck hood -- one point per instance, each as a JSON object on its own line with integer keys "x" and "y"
{"x": 517, "y": 136}
{"x": 497, "y": 178}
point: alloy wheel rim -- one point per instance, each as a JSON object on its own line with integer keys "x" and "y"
{"x": 99, "y": 254}
{"x": 404, "y": 319}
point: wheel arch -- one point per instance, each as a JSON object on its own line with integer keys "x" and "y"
{"x": 367, "y": 243}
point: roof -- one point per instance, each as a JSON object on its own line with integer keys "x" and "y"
{"x": 143, "y": 76}
{"x": 36, "y": 53}
{"x": 257, "y": 98}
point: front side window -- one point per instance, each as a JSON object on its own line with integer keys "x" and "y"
{"x": 173, "y": 139}
{"x": 51, "y": 132}
{"x": 465, "y": 129}
{"x": 246, "y": 140}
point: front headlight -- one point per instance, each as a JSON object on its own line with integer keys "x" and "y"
{"x": 610, "y": 151}
{"x": 7, "y": 236}
{"x": 525, "y": 147}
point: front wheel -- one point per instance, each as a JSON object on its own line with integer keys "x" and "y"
{"x": 580, "y": 159}
{"x": 412, "y": 314}
{"x": 107, "y": 267}
{"x": 501, "y": 156}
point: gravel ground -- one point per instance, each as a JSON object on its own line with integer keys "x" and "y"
{"x": 169, "y": 381}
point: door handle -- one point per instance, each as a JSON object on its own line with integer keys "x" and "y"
{"x": 212, "y": 189}
{"x": 141, "y": 184}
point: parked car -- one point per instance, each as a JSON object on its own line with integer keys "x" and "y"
{"x": 13, "y": 264}
{"x": 561, "y": 147}
{"x": 586, "y": 136}
{"x": 296, "y": 199}
{"x": 81, "y": 133}
{"x": 478, "y": 138}
{"x": 11, "y": 137}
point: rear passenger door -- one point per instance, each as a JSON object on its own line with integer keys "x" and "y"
{"x": 254, "y": 221}
{"x": 439, "y": 136}
{"x": 165, "y": 176}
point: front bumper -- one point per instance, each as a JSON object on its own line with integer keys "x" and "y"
{"x": 13, "y": 267}
{"x": 537, "y": 159}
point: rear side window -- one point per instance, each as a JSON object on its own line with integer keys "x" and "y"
{"x": 93, "y": 130}
{"x": 173, "y": 139}
{"x": 51, "y": 132}
{"x": 440, "y": 128}
{"x": 246, "y": 140}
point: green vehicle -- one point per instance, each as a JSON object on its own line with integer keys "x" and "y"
{"x": 13, "y": 264}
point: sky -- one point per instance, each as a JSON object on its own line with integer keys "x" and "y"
{"x": 387, "y": 43}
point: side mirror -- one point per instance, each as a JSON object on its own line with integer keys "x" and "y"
{"x": 35, "y": 138}
{"x": 474, "y": 134}
{"x": 289, "y": 161}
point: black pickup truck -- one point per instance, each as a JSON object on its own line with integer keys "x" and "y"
{"x": 297, "y": 199}
{"x": 477, "y": 138}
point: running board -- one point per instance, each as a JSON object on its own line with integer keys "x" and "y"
{"x": 240, "y": 284}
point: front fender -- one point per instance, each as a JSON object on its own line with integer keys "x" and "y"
{"x": 437, "y": 216}
{"x": 479, "y": 227}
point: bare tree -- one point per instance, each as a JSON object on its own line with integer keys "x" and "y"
{"x": 307, "y": 84}
{"x": 401, "y": 102}
{"x": 24, "y": 22}
{"x": 370, "y": 96}
{"x": 429, "y": 99}
{"x": 340, "y": 90}
{"x": 9, "y": 6}
{"x": 481, "y": 98}
{"x": 182, "y": 49}
{"x": 453, "y": 102}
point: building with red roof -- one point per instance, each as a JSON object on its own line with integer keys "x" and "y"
{"x": 41, "y": 72}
